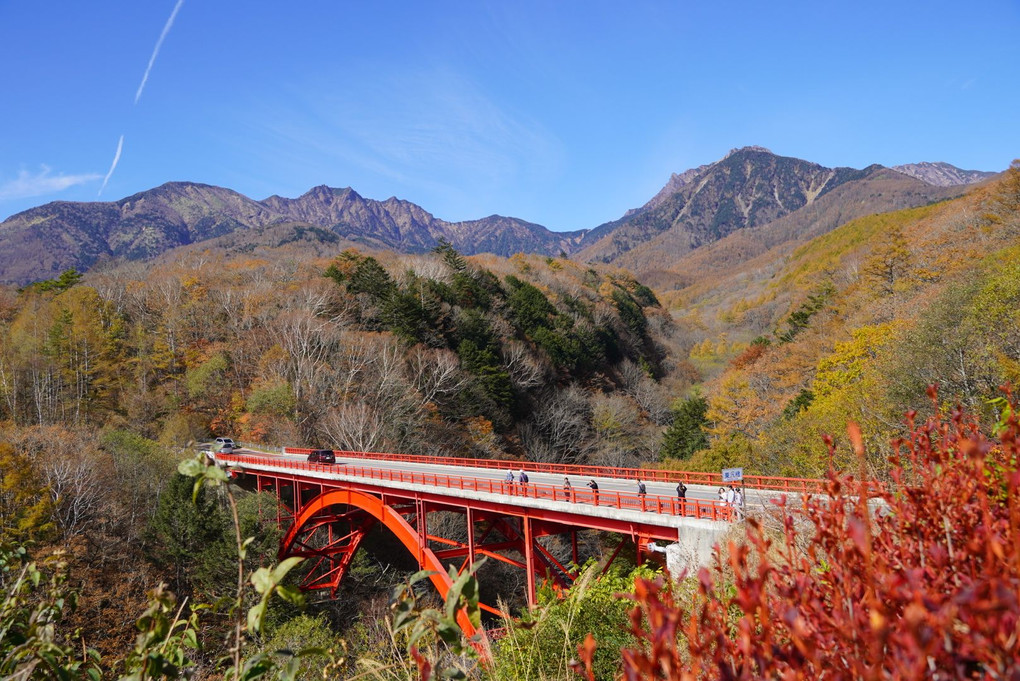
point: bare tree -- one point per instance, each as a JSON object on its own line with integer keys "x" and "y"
{"x": 525, "y": 370}
{"x": 354, "y": 426}
{"x": 651, "y": 396}
{"x": 308, "y": 341}
{"x": 428, "y": 267}
{"x": 77, "y": 491}
{"x": 563, "y": 422}
{"x": 434, "y": 373}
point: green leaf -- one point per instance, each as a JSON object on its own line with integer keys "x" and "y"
{"x": 243, "y": 552}
{"x": 255, "y": 615}
{"x": 420, "y": 575}
{"x": 215, "y": 474}
{"x": 284, "y": 567}
{"x": 191, "y": 467}
{"x": 262, "y": 580}
{"x": 291, "y": 594}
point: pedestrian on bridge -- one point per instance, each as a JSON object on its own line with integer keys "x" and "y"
{"x": 523, "y": 477}
{"x": 509, "y": 479}
{"x": 641, "y": 490}
{"x": 567, "y": 489}
{"x": 681, "y": 495}
{"x": 738, "y": 502}
{"x": 594, "y": 491}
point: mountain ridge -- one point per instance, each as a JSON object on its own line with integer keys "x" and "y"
{"x": 41, "y": 242}
{"x": 942, "y": 174}
{"x": 747, "y": 189}
{"x": 749, "y": 186}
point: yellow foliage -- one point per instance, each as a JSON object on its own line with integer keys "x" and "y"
{"x": 849, "y": 359}
{"x": 520, "y": 262}
{"x": 26, "y": 509}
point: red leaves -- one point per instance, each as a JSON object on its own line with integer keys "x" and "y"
{"x": 925, "y": 584}
{"x": 585, "y": 653}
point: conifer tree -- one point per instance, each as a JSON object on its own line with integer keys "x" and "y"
{"x": 686, "y": 433}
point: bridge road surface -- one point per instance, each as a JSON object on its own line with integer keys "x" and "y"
{"x": 752, "y": 497}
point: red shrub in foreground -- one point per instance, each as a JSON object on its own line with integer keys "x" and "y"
{"x": 924, "y": 584}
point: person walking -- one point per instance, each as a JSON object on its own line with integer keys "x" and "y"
{"x": 594, "y": 491}
{"x": 641, "y": 490}
{"x": 508, "y": 480}
{"x": 738, "y": 502}
{"x": 567, "y": 489}
{"x": 523, "y": 477}
{"x": 681, "y": 495}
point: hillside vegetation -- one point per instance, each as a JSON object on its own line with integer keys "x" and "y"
{"x": 853, "y": 325}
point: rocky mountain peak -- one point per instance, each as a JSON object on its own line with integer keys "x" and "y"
{"x": 940, "y": 174}
{"x": 748, "y": 187}
{"x": 752, "y": 147}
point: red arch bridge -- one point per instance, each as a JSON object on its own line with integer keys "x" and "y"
{"x": 328, "y": 509}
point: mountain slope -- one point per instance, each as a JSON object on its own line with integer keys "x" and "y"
{"x": 942, "y": 174}
{"x": 44, "y": 241}
{"x": 407, "y": 227}
{"x": 666, "y": 261}
{"x": 749, "y": 187}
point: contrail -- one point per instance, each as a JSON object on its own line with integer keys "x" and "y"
{"x": 113, "y": 166}
{"x": 155, "y": 51}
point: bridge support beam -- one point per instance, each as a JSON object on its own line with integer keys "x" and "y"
{"x": 529, "y": 559}
{"x": 310, "y": 519}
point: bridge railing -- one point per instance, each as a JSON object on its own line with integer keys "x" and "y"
{"x": 648, "y": 503}
{"x": 766, "y": 482}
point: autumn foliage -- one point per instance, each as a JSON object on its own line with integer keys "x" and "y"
{"x": 918, "y": 580}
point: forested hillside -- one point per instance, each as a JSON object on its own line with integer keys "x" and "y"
{"x": 854, "y": 325}
{"x": 532, "y": 358}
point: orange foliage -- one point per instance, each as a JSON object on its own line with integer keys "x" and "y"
{"x": 748, "y": 356}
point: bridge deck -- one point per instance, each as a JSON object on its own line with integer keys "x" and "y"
{"x": 615, "y": 507}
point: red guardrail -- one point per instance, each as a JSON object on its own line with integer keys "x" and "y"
{"x": 778, "y": 484}
{"x": 649, "y": 503}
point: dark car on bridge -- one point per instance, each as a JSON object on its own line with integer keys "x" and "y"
{"x": 322, "y": 456}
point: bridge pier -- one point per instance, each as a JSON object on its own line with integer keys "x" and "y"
{"x": 693, "y": 549}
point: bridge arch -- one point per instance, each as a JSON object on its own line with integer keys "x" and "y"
{"x": 394, "y": 521}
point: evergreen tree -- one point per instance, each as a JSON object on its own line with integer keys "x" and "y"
{"x": 686, "y": 434}
{"x": 184, "y": 534}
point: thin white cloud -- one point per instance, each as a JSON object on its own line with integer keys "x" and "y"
{"x": 430, "y": 128}
{"x": 113, "y": 166}
{"x": 155, "y": 51}
{"x": 29, "y": 184}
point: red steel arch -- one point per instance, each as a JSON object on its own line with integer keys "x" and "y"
{"x": 311, "y": 516}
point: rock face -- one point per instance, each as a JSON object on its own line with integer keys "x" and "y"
{"x": 747, "y": 188}
{"x": 42, "y": 242}
{"x": 942, "y": 174}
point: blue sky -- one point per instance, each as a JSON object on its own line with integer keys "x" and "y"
{"x": 560, "y": 113}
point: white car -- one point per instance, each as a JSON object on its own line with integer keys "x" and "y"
{"x": 224, "y": 445}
